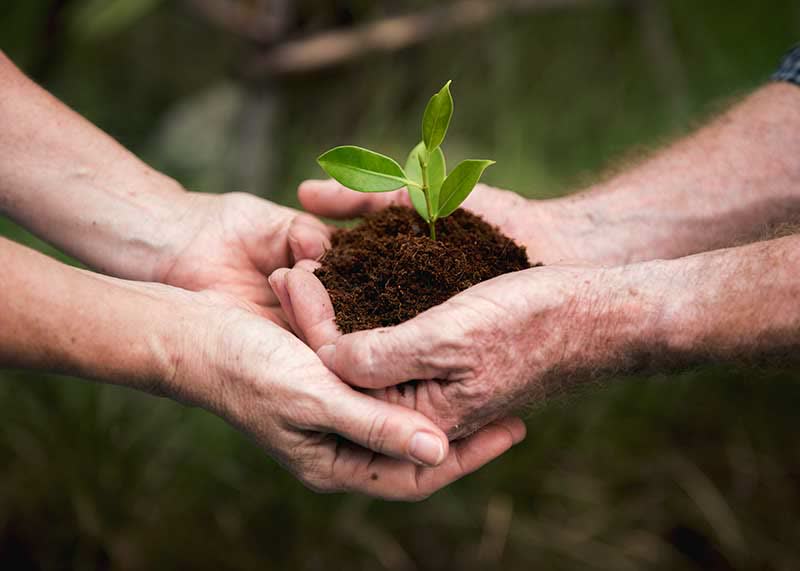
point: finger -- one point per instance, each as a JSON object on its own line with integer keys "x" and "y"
{"x": 277, "y": 281}
{"x": 307, "y": 265}
{"x": 385, "y": 428}
{"x": 313, "y": 311}
{"x": 308, "y": 238}
{"x": 330, "y": 199}
{"x": 394, "y": 480}
{"x": 385, "y": 357}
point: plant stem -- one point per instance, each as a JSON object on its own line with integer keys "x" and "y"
{"x": 423, "y": 165}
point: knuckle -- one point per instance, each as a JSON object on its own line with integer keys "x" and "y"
{"x": 361, "y": 356}
{"x": 378, "y": 433}
{"x": 319, "y": 480}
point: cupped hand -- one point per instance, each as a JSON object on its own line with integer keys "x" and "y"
{"x": 473, "y": 359}
{"x": 231, "y": 243}
{"x": 266, "y": 382}
{"x": 530, "y": 223}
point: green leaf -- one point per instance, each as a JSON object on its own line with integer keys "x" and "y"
{"x": 459, "y": 184}
{"x": 436, "y": 174}
{"x": 437, "y": 118}
{"x": 363, "y": 170}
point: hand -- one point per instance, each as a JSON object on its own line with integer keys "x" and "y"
{"x": 533, "y": 224}
{"x": 476, "y": 357}
{"x": 270, "y": 385}
{"x": 232, "y": 242}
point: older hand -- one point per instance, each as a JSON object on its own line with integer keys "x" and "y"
{"x": 533, "y": 224}
{"x": 479, "y": 355}
{"x": 232, "y": 242}
{"x": 270, "y": 385}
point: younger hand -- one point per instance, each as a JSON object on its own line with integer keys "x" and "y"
{"x": 231, "y": 243}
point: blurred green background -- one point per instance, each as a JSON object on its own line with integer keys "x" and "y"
{"x": 697, "y": 471}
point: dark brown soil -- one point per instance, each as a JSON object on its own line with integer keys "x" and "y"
{"x": 386, "y": 270}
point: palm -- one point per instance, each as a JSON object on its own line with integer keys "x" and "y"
{"x": 235, "y": 242}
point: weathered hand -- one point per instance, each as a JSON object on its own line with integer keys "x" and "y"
{"x": 266, "y": 382}
{"x": 232, "y": 242}
{"x": 530, "y": 223}
{"x": 475, "y": 358}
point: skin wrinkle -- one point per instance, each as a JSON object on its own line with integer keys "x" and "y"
{"x": 376, "y": 433}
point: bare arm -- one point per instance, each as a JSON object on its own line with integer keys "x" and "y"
{"x": 62, "y": 319}
{"x": 74, "y": 186}
{"x": 726, "y": 184}
{"x": 216, "y": 352}
{"x": 734, "y": 305}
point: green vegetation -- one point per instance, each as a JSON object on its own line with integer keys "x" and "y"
{"x": 434, "y": 193}
{"x": 647, "y": 473}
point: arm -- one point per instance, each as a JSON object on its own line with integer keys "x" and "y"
{"x": 71, "y": 184}
{"x": 214, "y": 351}
{"x": 726, "y": 184}
{"x": 74, "y": 186}
{"x": 719, "y": 187}
{"x": 526, "y": 335}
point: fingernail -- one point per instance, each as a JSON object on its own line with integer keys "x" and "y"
{"x": 426, "y": 449}
{"x": 327, "y": 354}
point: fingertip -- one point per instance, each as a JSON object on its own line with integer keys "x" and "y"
{"x": 427, "y": 448}
{"x": 309, "y": 192}
{"x": 312, "y": 309}
{"x": 309, "y": 238}
{"x": 302, "y": 283}
{"x": 516, "y": 428}
{"x": 307, "y": 265}
{"x": 278, "y": 282}
{"x": 277, "y": 279}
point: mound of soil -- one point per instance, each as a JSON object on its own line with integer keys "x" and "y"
{"x": 386, "y": 270}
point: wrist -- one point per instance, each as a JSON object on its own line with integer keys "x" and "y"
{"x": 591, "y": 227}
{"x": 142, "y": 336}
{"x": 621, "y": 320}
{"x": 215, "y": 352}
{"x": 163, "y": 214}
{"x": 657, "y": 311}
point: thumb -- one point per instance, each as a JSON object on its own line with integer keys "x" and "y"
{"x": 330, "y": 199}
{"x": 385, "y": 428}
{"x": 389, "y": 356}
{"x": 308, "y": 238}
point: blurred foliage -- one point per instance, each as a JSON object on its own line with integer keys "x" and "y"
{"x": 99, "y": 19}
{"x": 680, "y": 472}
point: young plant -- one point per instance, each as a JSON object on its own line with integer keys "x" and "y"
{"x": 433, "y": 192}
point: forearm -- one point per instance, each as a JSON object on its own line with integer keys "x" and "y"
{"x": 735, "y": 305}
{"x": 720, "y": 187}
{"x": 57, "y": 318}
{"x": 74, "y": 186}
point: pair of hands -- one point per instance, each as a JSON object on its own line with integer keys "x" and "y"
{"x": 475, "y": 355}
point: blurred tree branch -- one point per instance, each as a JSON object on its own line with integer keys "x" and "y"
{"x": 261, "y": 21}
{"x": 336, "y": 47}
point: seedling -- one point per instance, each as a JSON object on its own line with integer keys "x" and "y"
{"x": 433, "y": 192}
